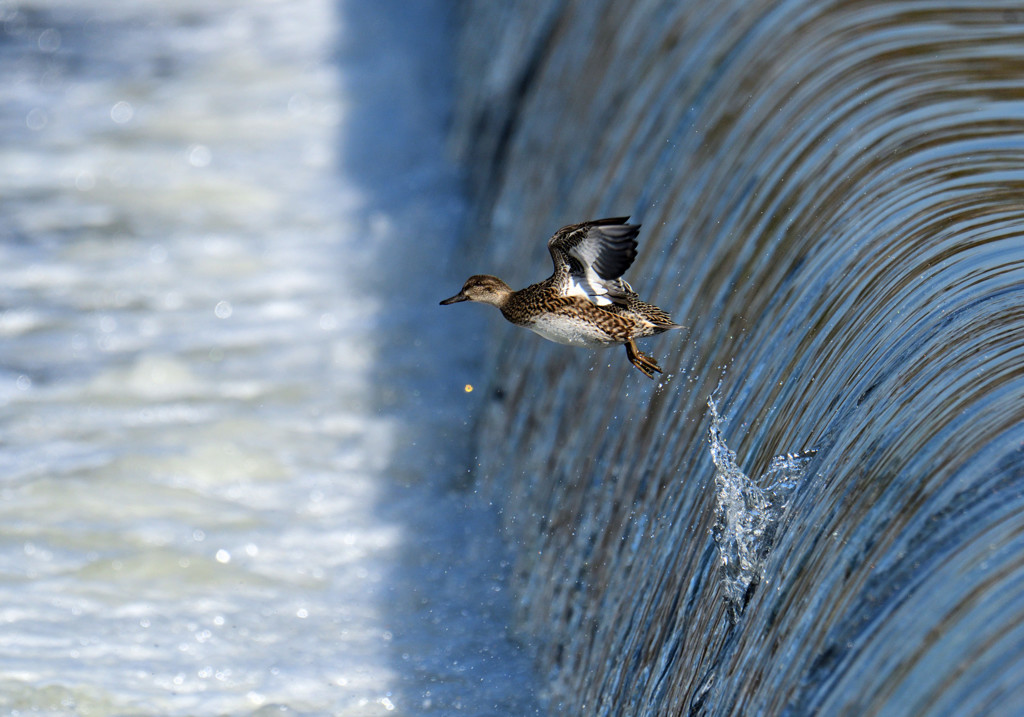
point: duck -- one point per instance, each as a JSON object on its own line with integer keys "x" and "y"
{"x": 585, "y": 301}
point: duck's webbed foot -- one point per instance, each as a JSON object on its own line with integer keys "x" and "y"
{"x": 642, "y": 361}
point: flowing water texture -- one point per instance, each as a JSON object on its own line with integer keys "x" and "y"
{"x": 831, "y": 198}
{"x": 231, "y": 453}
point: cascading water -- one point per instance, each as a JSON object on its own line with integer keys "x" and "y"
{"x": 831, "y": 195}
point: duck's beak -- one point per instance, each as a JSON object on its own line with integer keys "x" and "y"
{"x": 455, "y": 299}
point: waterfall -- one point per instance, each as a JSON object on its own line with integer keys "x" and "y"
{"x": 832, "y": 199}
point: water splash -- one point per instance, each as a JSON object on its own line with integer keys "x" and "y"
{"x": 747, "y": 515}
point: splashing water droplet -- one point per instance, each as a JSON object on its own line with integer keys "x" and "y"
{"x": 746, "y": 515}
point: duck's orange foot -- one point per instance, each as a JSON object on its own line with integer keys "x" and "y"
{"x": 642, "y": 361}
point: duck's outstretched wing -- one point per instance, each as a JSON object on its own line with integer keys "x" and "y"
{"x": 590, "y": 257}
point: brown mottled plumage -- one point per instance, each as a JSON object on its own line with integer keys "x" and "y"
{"x": 585, "y": 302}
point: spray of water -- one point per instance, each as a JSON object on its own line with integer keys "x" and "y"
{"x": 747, "y": 514}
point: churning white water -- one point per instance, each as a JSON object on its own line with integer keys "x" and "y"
{"x": 230, "y": 426}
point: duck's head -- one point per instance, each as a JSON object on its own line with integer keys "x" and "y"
{"x": 483, "y": 288}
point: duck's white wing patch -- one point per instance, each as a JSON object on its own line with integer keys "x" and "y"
{"x": 589, "y": 287}
{"x": 592, "y": 256}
